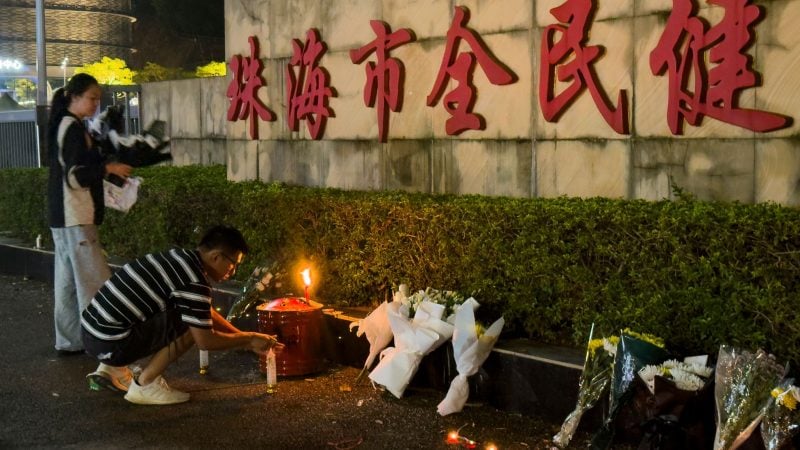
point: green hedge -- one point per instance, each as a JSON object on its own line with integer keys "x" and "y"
{"x": 698, "y": 274}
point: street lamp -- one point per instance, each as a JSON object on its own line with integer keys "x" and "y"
{"x": 64, "y": 69}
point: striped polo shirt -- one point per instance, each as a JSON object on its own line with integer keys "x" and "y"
{"x": 147, "y": 286}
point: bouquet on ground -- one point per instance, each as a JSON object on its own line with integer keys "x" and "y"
{"x": 781, "y": 420}
{"x": 634, "y": 351}
{"x": 744, "y": 381}
{"x": 594, "y": 382}
{"x": 254, "y": 291}
{"x": 672, "y": 407}
{"x": 471, "y": 347}
{"x": 420, "y": 323}
{"x": 377, "y": 329}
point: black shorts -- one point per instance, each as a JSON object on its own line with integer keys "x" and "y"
{"x": 145, "y": 339}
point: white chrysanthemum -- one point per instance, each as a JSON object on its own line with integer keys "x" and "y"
{"x": 610, "y": 347}
{"x": 672, "y": 363}
{"x": 685, "y": 380}
{"x": 698, "y": 369}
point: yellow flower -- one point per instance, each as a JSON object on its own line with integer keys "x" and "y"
{"x": 789, "y": 401}
{"x": 776, "y": 392}
{"x": 594, "y": 344}
{"x": 479, "y": 329}
{"x": 655, "y": 340}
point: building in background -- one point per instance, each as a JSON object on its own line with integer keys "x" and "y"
{"x": 77, "y": 32}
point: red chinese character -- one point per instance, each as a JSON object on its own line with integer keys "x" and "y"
{"x": 460, "y": 66}
{"x": 243, "y": 89}
{"x": 308, "y": 89}
{"x": 570, "y": 59}
{"x": 385, "y": 77}
{"x": 681, "y": 52}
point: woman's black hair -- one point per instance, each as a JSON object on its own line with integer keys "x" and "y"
{"x": 62, "y": 97}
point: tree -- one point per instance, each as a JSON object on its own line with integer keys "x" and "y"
{"x": 212, "y": 69}
{"x": 156, "y": 72}
{"x": 109, "y": 71}
{"x": 192, "y": 17}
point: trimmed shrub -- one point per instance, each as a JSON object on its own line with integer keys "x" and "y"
{"x": 698, "y": 274}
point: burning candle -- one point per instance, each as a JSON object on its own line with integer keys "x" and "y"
{"x": 452, "y": 437}
{"x": 306, "y": 280}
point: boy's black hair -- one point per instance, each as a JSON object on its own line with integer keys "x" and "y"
{"x": 225, "y": 238}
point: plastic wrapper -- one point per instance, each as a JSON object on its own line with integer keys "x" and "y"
{"x": 376, "y": 328}
{"x": 632, "y": 355}
{"x": 594, "y": 382}
{"x": 744, "y": 381}
{"x": 470, "y": 351}
{"x": 254, "y": 291}
{"x": 781, "y": 420}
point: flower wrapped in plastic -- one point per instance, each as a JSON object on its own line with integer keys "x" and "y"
{"x": 594, "y": 382}
{"x": 744, "y": 381}
{"x": 634, "y": 351}
{"x": 471, "y": 347}
{"x": 377, "y": 329}
{"x": 254, "y": 291}
{"x": 781, "y": 420}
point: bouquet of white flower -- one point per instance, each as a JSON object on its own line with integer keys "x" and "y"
{"x": 781, "y": 420}
{"x": 471, "y": 347}
{"x": 594, "y": 382}
{"x": 419, "y": 325}
{"x": 377, "y": 329}
{"x": 743, "y": 384}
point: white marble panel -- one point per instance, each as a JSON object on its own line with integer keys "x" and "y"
{"x": 214, "y": 151}
{"x": 186, "y": 108}
{"x": 245, "y": 18}
{"x": 777, "y": 60}
{"x": 605, "y": 10}
{"x": 583, "y": 118}
{"x": 291, "y": 20}
{"x": 777, "y": 172}
{"x": 353, "y": 165}
{"x": 506, "y": 108}
{"x": 215, "y": 106}
{"x": 427, "y": 18}
{"x": 582, "y": 168}
{"x": 492, "y": 16}
{"x": 346, "y": 23}
{"x": 293, "y": 162}
{"x": 156, "y": 103}
{"x": 186, "y": 152}
{"x": 496, "y": 168}
{"x": 242, "y": 160}
{"x": 353, "y": 119}
{"x": 408, "y": 165}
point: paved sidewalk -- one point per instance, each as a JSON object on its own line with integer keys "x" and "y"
{"x": 45, "y": 402}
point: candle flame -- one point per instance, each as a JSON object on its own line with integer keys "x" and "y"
{"x": 306, "y": 276}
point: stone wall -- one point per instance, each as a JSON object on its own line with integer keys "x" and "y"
{"x": 518, "y": 153}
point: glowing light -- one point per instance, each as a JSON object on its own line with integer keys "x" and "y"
{"x": 306, "y": 276}
{"x": 491, "y": 447}
{"x": 452, "y": 437}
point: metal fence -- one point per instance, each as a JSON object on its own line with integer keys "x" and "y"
{"x": 18, "y": 141}
{"x": 18, "y": 138}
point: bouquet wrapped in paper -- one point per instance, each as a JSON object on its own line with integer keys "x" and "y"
{"x": 634, "y": 351}
{"x": 744, "y": 381}
{"x": 377, "y": 329}
{"x": 471, "y": 347}
{"x": 420, "y": 323}
{"x": 411, "y": 342}
{"x": 594, "y": 382}
{"x": 781, "y": 420}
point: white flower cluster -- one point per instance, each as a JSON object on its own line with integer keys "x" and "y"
{"x": 449, "y": 299}
{"x": 687, "y": 376}
{"x": 263, "y": 276}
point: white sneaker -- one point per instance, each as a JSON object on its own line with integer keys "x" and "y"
{"x": 110, "y": 377}
{"x": 155, "y": 393}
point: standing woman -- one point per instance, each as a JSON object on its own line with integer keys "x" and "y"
{"x": 75, "y": 201}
